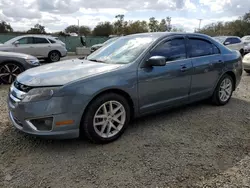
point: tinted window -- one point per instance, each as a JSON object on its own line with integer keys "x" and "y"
{"x": 26, "y": 40}
{"x": 172, "y": 50}
{"x": 228, "y": 40}
{"x": 52, "y": 41}
{"x": 40, "y": 40}
{"x": 199, "y": 47}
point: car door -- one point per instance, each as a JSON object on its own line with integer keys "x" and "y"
{"x": 207, "y": 66}
{"x": 162, "y": 86}
{"x": 42, "y": 47}
{"x": 24, "y": 45}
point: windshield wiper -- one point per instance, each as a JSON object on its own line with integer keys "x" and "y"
{"x": 96, "y": 60}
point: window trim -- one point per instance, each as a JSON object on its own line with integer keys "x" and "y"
{"x": 200, "y": 38}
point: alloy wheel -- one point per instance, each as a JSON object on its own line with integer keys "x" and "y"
{"x": 109, "y": 119}
{"x": 54, "y": 56}
{"x": 9, "y": 72}
{"x": 226, "y": 88}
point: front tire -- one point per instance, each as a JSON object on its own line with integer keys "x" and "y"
{"x": 106, "y": 118}
{"x": 54, "y": 56}
{"x": 224, "y": 90}
{"x": 9, "y": 71}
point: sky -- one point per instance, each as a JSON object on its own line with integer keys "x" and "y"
{"x": 56, "y": 15}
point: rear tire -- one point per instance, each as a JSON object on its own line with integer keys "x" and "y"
{"x": 54, "y": 56}
{"x": 9, "y": 71}
{"x": 102, "y": 124}
{"x": 223, "y": 91}
{"x": 247, "y": 71}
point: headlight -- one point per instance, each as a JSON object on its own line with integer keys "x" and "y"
{"x": 39, "y": 94}
{"x": 33, "y": 61}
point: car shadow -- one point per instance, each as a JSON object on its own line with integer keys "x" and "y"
{"x": 175, "y": 147}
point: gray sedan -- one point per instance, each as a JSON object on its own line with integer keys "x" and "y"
{"x": 12, "y": 64}
{"x": 135, "y": 75}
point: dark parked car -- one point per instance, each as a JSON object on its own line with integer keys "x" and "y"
{"x": 12, "y": 64}
{"x": 97, "y": 46}
{"x": 135, "y": 75}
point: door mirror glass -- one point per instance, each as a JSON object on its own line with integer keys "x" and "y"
{"x": 157, "y": 61}
{"x": 226, "y": 43}
{"x": 16, "y": 43}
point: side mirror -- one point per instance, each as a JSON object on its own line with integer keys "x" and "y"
{"x": 16, "y": 43}
{"x": 226, "y": 43}
{"x": 156, "y": 61}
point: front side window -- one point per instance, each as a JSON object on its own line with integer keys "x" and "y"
{"x": 200, "y": 47}
{"x": 40, "y": 40}
{"x": 174, "y": 49}
{"x": 123, "y": 50}
{"x": 26, "y": 40}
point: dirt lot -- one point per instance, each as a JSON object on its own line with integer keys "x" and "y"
{"x": 199, "y": 145}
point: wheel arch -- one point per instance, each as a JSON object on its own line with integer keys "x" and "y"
{"x": 55, "y": 50}
{"x": 12, "y": 61}
{"x": 119, "y": 92}
{"x": 230, "y": 73}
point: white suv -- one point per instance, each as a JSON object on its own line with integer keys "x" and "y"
{"x": 232, "y": 42}
{"x": 40, "y": 46}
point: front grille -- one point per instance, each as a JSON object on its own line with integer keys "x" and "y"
{"x": 22, "y": 87}
{"x": 18, "y": 121}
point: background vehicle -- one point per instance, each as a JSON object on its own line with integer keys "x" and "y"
{"x": 40, "y": 46}
{"x": 133, "y": 76}
{"x": 12, "y": 64}
{"x": 97, "y": 46}
{"x": 246, "y": 63}
{"x": 246, "y": 39}
{"x": 232, "y": 42}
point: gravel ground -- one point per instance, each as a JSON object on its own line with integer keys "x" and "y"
{"x": 198, "y": 145}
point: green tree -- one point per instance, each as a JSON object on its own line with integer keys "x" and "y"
{"x": 103, "y": 29}
{"x": 72, "y": 29}
{"x": 153, "y": 24}
{"x": 37, "y": 29}
{"x": 119, "y": 24}
{"x": 85, "y": 30}
{"x": 135, "y": 27}
{"x": 169, "y": 26}
{"x": 175, "y": 29}
{"x": 163, "y": 25}
{"x": 5, "y": 28}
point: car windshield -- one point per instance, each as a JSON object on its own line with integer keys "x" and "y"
{"x": 220, "y": 39}
{"x": 110, "y": 40}
{"x": 123, "y": 50}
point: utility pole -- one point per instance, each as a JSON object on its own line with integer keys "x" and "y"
{"x": 200, "y": 24}
{"x": 78, "y": 27}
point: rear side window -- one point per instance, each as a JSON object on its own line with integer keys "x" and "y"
{"x": 173, "y": 50}
{"x": 52, "y": 41}
{"x": 40, "y": 40}
{"x": 235, "y": 40}
{"x": 200, "y": 47}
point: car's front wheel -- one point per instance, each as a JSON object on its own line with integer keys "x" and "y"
{"x": 106, "y": 118}
{"x": 9, "y": 71}
{"x": 223, "y": 91}
{"x": 54, "y": 56}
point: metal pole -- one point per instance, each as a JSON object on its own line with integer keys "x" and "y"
{"x": 78, "y": 28}
{"x": 200, "y": 24}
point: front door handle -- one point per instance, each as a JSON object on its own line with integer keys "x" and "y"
{"x": 183, "y": 68}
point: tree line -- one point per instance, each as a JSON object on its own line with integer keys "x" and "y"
{"x": 119, "y": 27}
{"x": 239, "y": 27}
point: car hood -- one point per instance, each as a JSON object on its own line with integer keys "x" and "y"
{"x": 14, "y": 54}
{"x": 63, "y": 72}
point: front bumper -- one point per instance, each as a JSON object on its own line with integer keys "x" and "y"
{"x": 20, "y": 115}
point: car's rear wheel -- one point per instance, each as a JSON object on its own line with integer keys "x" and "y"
{"x": 223, "y": 91}
{"x": 247, "y": 71}
{"x": 9, "y": 71}
{"x": 54, "y": 56}
{"x": 106, "y": 118}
